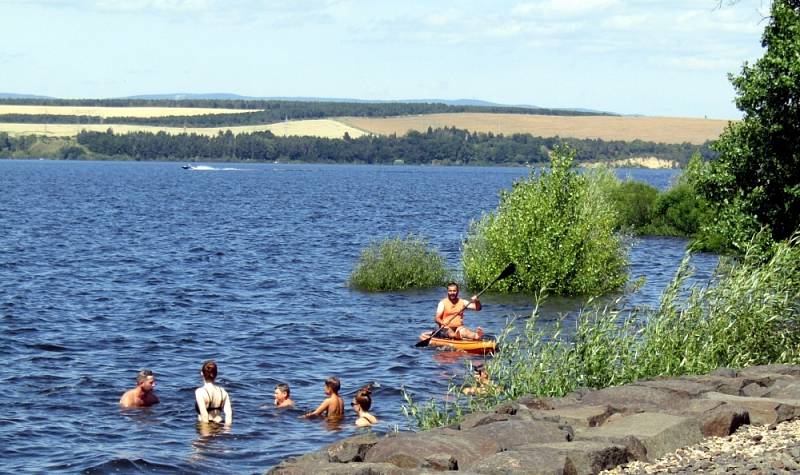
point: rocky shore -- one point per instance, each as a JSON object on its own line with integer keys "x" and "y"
{"x": 724, "y": 422}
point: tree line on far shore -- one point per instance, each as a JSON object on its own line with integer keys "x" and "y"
{"x": 446, "y": 146}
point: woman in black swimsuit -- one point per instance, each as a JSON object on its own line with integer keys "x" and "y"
{"x": 212, "y": 401}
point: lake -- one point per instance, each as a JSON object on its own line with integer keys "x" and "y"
{"x": 110, "y": 267}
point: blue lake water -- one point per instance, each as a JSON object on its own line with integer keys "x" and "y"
{"x": 110, "y": 267}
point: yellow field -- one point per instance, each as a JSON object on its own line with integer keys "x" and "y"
{"x": 317, "y": 128}
{"x": 117, "y": 111}
{"x": 651, "y": 129}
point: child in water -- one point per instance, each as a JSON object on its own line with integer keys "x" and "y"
{"x": 481, "y": 381}
{"x": 361, "y": 404}
{"x": 333, "y": 406}
{"x": 282, "y": 399}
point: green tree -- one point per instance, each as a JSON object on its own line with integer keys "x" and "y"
{"x": 755, "y": 182}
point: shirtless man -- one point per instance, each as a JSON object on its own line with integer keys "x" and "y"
{"x": 450, "y": 316}
{"x": 333, "y": 406}
{"x": 143, "y": 394}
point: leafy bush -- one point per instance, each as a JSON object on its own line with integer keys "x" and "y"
{"x": 558, "y": 228}
{"x": 634, "y": 202}
{"x": 749, "y": 315}
{"x": 397, "y": 264}
{"x": 678, "y": 211}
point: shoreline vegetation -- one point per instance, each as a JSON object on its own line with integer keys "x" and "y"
{"x": 446, "y": 146}
{"x": 746, "y": 316}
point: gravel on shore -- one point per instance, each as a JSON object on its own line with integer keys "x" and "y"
{"x": 764, "y": 449}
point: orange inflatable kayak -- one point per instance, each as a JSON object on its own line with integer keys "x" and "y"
{"x": 480, "y": 347}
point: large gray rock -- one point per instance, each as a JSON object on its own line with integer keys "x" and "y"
{"x": 762, "y": 410}
{"x": 680, "y": 387}
{"x": 351, "y": 449}
{"x": 723, "y": 420}
{"x": 588, "y": 457}
{"x": 582, "y": 415}
{"x": 632, "y": 398}
{"x": 778, "y": 369}
{"x": 658, "y": 433}
{"x": 530, "y": 462}
{"x": 722, "y": 384}
{"x": 511, "y": 434}
{"x": 482, "y": 418}
{"x": 781, "y": 390}
{"x": 420, "y": 450}
{"x": 339, "y": 469}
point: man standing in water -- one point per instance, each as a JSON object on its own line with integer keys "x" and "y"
{"x": 143, "y": 394}
{"x": 450, "y": 316}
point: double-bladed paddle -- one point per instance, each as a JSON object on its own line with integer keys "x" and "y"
{"x": 510, "y": 269}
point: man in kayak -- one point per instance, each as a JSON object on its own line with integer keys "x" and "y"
{"x": 143, "y": 394}
{"x": 450, "y": 316}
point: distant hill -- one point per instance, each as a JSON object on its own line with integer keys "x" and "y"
{"x": 449, "y": 102}
{"x": 11, "y": 95}
{"x": 225, "y": 96}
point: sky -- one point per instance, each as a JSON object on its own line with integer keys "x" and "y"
{"x": 656, "y": 58}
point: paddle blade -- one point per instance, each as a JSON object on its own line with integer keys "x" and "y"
{"x": 425, "y": 339}
{"x": 423, "y": 343}
{"x": 510, "y": 269}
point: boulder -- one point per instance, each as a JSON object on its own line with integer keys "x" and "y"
{"x": 777, "y": 369}
{"x": 657, "y": 433}
{"x": 351, "y": 449}
{"x": 723, "y": 420}
{"x": 781, "y": 390}
{"x": 533, "y": 462}
{"x": 722, "y": 384}
{"x": 511, "y": 434}
{"x": 755, "y": 390}
{"x": 582, "y": 415}
{"x": 762, "y": 410}
{"x": 681, "y": 387}
{"x": 482, "y": 418}
{"x": 338, "y": 469}
{"x": 588, "y": 457}
{"x": 413, "y": 451}
{"x": 632, "y": 398}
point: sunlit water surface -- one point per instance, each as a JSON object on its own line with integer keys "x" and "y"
{"x": 110, "y": 267}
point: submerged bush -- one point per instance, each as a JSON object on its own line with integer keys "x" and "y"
{"x": 749, "y": 315}
{"x": 634, "y": 202}
{"x": 397, "y": 264}
{"x": 558, "y": 228}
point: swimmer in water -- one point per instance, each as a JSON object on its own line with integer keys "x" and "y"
{"x": 282, "y": 399}
{"x": 143, "y": 395}
{"x": 212, "y": 401}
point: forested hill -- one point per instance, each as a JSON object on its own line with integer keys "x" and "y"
{"x": 270, "y": 111}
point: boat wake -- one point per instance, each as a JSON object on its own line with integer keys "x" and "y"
{"x": 206, "y": 168}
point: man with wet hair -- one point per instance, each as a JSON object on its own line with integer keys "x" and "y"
{"x": 143, "y": 395}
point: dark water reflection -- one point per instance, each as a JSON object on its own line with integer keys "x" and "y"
{"x": 109, "y": 267}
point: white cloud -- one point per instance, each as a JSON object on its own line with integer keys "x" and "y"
{"x": 626, "y": 22}
{"x": 164, "y": 5}
{"x": 696, "y": 63}
{"x": 558, "y": 8}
